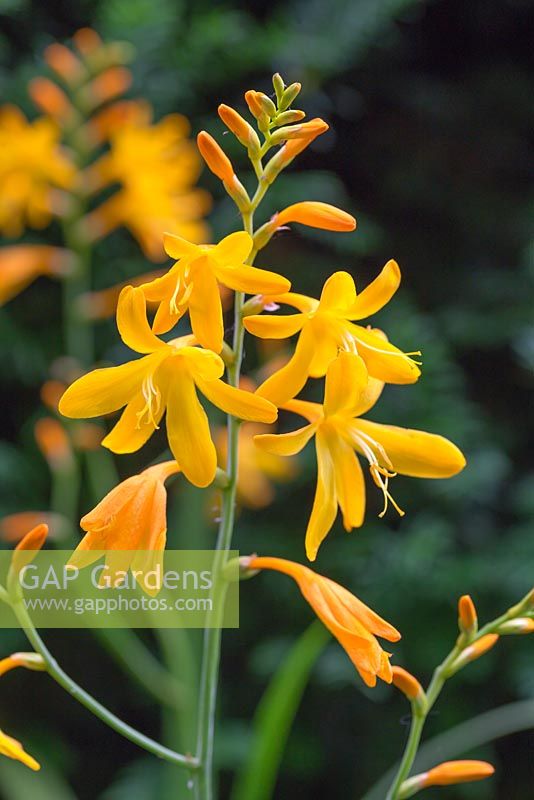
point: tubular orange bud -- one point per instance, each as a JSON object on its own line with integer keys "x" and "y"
{"x": 215, "y": 157}
{"x": 517, "y": 626}
{"x": 451, "y": 772}
{"x": 25, "y": 551}
{"x": 292, "y": 148}
{"x": 113, "y": 82}
{"x": 307, "y": 130}
{"x": 467, "y": 615}
{"x": 49, "y": 98}
{"x": 87, "y": 41}
{"x": 474, "y": 651}
{"x": 317, "y": 215}
{"x": 14, "y": 527}
{"x": 31, "y": 661}
{"x": 53, "y": 443}
{"x": 64, "y": 63}
{"x": 239, "y": 127}
{"x": 253, "y": 103}
{"x": 407, "y": 684}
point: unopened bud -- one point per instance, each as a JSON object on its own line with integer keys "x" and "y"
{"x": 238, "y": 193}
{"x": 289, "y": 95}
{"x": 278, "y": 86}
{"x": 409, "y": 686}
{"x": 467, "y": 615}
{"x": 520, "y": 625}
{"x": 289, "y": 117}
{"x": 31, "y": 661}
{"x": 49, "y": 98}
{"x": 450, "y": 772}
{"x": 215, "y": 157}
{"x": 253, "y": 103}
{"x": 244, "y": 132}
{"x": 316, "y": 215}
{"x": 474, "y": 651}
{"x": 267, "y": 105}
{"x": 24, "y": 554}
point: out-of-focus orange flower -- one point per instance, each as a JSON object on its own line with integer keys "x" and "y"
{"x": 354, "y": 624}
{"x": 50, "y": 99}
{"x": 157, "y": 167}
{"x": 64, "y": 63}
{"x": 53, "y": 443}
{"x": 14, "y": 527}
{"x": 50, "y": 393}
{"x": 110, "y": 84}
{"x": 24, "y": 552}
{"x": 130, "y": 524}
{"x": 13, "y": 749}
{"x": 106, "y": 122}
{"x": 257, "y": 469}
{"x": 23, "y": 263}
{"x": 451, "y": 772}
{"x": 87, "y": 41}
{"x": 32, "y": 164}
{"x": 87, "y": 436}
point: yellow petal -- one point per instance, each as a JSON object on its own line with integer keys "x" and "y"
{"x": 239, "y": 403}
{"x": 346, "y": 380}
{"x": 384, "y": 361}
{"x": 267, "y": 326}
{"x": 286, "y": 444}
{"x": 162, "y": 287}
{"x": 326, "y": 343}
{"x": 205, "y": 308}
{"x": 133, "y": 428}
{"x": 339, "y": 293}
{"x": 204, "y": 364}
{"x": 188, "y": 429}
{"x": 350, "y": 485}
{"x": 251, "y": 280}
{"x": 132, "y": 322}
{"x": 288, "y": 381}
{"x": 104, "y": 390}
{"x": 377, "y": 294}
{"x": 313, "y": 412}
{"x": 415, "y": 453}
{"x": 165, "y": 319}
{"x": 233, "y": 249}
{"x": 176, "y": 247}
{"x": 324, "y": 509}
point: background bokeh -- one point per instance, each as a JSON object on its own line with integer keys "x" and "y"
{"x": 430, "y": 106}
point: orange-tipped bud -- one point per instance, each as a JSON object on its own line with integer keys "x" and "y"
{"x": 25, "y": 551}
{"x": 253, "y": 103}
{"x": 290, "y": 117}
{"x": 64, "y": 63}
{"x": 451, "y": 772}
{"x": 474, "y": 651}
{"x": 113, "y": 82}
{"x": 307, "y": 130}
{"x": 31, "y": 661}
{"x": 292, "y": 148}
{"x": 520, "y": 625}
{"x": 49, "y": 98}
{"x": 87, "y": 41}
{"x": 244, "y": 132}
{"x": 290, "y": 93}
{"x": 53, "y": 443}
{"x": 316, "y": 215}
{"x": 406, "y": 682}
{"x": 467, "y": 615}
{"x": 215, "y": 157}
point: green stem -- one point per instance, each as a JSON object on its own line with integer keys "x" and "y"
{"x": 83, "y": 697}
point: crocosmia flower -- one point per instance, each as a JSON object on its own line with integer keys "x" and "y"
{"x": 13, "y": 749}
{"x": 340, "y": 434}
{"x": 326, "y": 326}
{"x": 192, "y": 284}
{"x": 166, "y": 378}
{"x": 354, "y": 624}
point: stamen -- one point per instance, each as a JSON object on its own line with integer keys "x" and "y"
{"x": 392, "y": 352}
{"x": 380, "y": 475}
{"x": 152, "y": 405}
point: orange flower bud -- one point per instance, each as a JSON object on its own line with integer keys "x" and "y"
{"x": 308, "y": 130}
{"x": 49, "y": 98}
{"x": 517, "y": 626}
{"x": 406, "y": 682}
{"x": 87, "y": 41}
{"x": 239, "y": 127}
{"x": 316, "y": 215}
{"x": 467, "y": 615}
{"x": 14, "y": 527}
{"x": 109, "y": 84}
{"x": 25, "y": 551}
{"x": 64, "y": 63}
{"x": 53, "y": 443}
{"x": 474, "y": 651}
{"x": 215, "y": 157}
{"x": 31, "y": 661}
{"x": 451, "y": 772}
{"x": 253, "y": 103}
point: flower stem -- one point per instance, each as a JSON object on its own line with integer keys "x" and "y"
{"x": 83, "y": 697}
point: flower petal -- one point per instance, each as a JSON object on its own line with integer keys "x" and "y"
{"x": 133, "y": 324}
{"x": 339, "y": 293}
{"x": 346, "y": 380}
{"x": 233, "y": 249}
{"x": 205, "y": 308}
{"x": 251, "y": 280}
{"x": 324, "y": 509}
{"x": 286, "y": 444}
{"x": 132, "y": 429}
{"x": 350, "y": 484}
{"x": 377, "y": 293}
{"x": 238, "y": 402}
{"x": 188, "y": 429}
{"x": 288, "y": 381}
{"x": 384, "y": 361}
{"x": 176, "y": 247}
{"x": 104, "y": 390}
{"x": 415, "y": 453}
{"x": 326, "y": 344}
{"x": 267, "y": 326}
{"x": 204, "y": 364}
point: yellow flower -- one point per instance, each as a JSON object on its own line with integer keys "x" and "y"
{"x": 354, "y": 624}
{"x": 13, "y": 749}
{"x": 257, "y": 468}
{"x": 157, "y": 167}
{"x": 326, "y": 326}
{"x": 22, "y": 264}
{"x": 130, "y": 524}
{"x": 192, "y": 284}
{"x": 339, "y": 433}
{"x": 32, "y": 164}
{"x": 165, "y": 378}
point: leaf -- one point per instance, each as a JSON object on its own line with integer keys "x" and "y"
{"x": 275, "y": 714}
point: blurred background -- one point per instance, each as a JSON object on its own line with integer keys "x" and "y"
{"x": 430, "y": 107}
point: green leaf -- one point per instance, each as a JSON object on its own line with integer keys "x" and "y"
{"x": 275, "y": 714}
